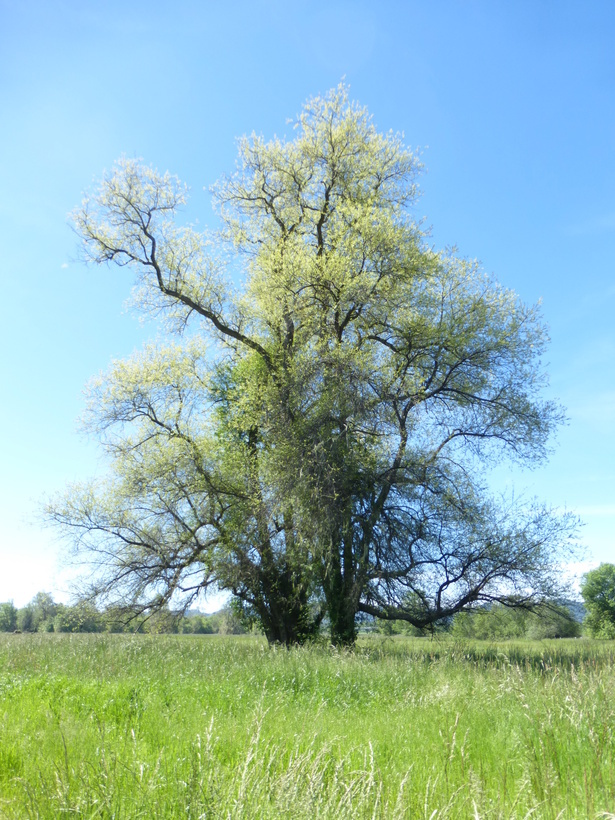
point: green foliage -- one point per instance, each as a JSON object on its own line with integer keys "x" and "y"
{"x": 314, "y": 448}
{"x": 25, "y": 620}
{"x": 82, "y": 617}
{"x": 598, "y": 591}
{"x": 43, "y": 610}
{"x": 553, "y": 622}
{"x": 8, "y": 617}
{"x": 396, "y": 627}
{"x": 497, "y": 623}
{"x": 507, "y": 623}
{"x": 200, "y": 625}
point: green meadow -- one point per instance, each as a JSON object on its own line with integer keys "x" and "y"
{"x": 170, "y": 726}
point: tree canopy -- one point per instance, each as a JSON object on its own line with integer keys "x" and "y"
{"x": 598, "y": 591}
{"x": 313, "y": 439}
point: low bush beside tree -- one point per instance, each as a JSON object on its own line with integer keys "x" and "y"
{"x": 504, "y": 623}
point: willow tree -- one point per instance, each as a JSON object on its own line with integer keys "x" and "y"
{"x": 315, "y": 447}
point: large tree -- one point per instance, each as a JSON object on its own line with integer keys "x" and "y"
{"x": 323, "y": 454}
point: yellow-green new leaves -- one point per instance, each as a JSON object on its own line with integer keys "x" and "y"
{"x": 316, "y": 186}
{"x": 327, "y": 455}
{"x": 156, "y": 384}
{"x": 322, "y": 217}
{"x": 130, "y": 221}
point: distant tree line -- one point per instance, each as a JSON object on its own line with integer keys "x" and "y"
{"x": 568, "y": 619}
{"x": 497, "y": 622}
{"x": 43, "y": 614}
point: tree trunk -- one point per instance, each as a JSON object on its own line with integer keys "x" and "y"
{"x": 284, "y": 609}
{"x": 341, "y": 604}
{"x": 343, "y": 624}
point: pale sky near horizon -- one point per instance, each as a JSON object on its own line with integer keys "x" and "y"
{"x": 511, "y": 104}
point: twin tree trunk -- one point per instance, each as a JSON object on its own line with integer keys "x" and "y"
{"x": 290, "y": 622}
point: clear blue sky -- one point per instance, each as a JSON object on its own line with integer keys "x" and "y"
{"x": 512, "y": 104}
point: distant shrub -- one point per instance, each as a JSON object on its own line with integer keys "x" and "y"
{"x": 598, "y": 590}
{"x": 25, "y": 619}
{"x": 8, "y": 617}
{"x": 201, "y": 625}
{"x": 505, "y": 623}
{"x": 79, "y": 618}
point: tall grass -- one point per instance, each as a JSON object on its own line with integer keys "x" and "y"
{"x": 127, "y": 726}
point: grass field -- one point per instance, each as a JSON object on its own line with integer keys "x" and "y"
{"x": 125, "y": 726}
